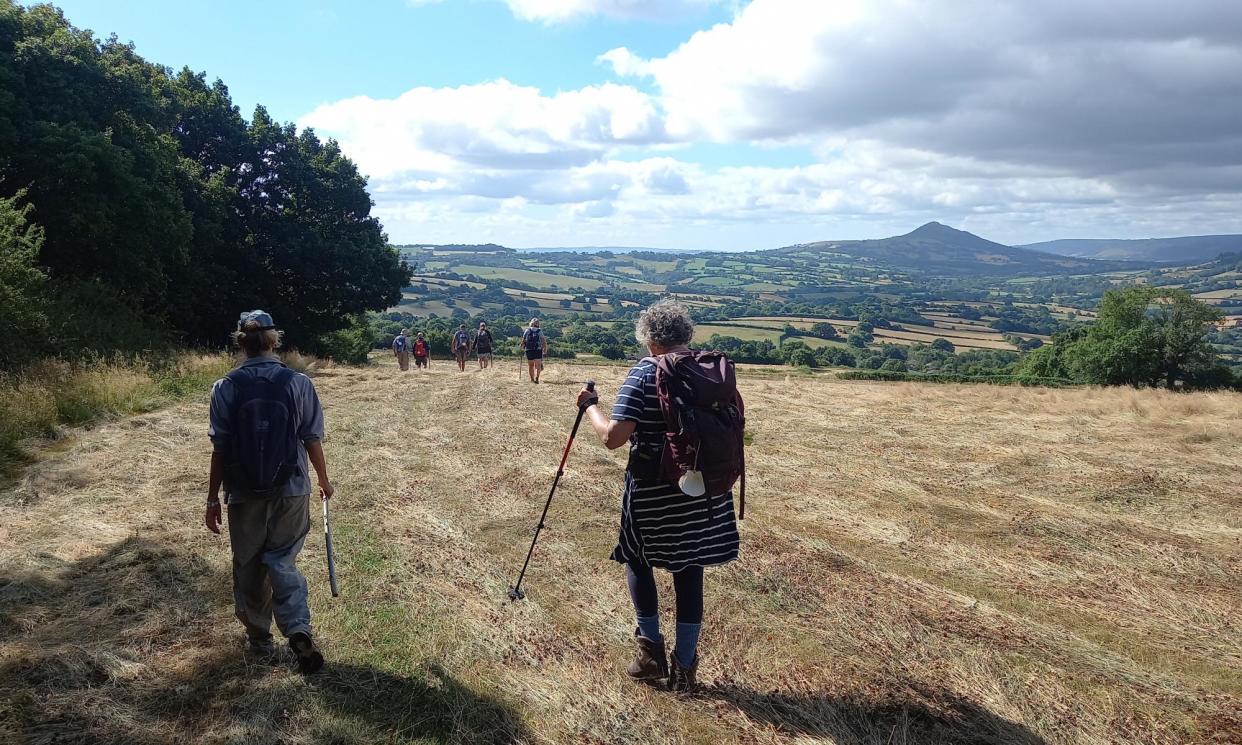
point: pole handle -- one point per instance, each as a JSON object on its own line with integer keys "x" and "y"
{"x": 590, "y": 388}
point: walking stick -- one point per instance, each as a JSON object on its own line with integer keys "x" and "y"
{"x": 515, "y": 591}
{"x": 327, "y": 536}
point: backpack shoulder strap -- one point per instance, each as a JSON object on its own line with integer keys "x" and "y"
{"x": 284, "y": 376}
{"x": 238, "y": 376}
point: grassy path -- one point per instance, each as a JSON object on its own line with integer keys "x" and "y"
{"x": 920, "y": 564}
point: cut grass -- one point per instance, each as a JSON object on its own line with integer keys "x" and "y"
{"x": 920, "y": 564}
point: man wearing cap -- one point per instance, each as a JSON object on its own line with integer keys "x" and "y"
{"x": 266, "y": 429}
{"x": 401, "y": 348}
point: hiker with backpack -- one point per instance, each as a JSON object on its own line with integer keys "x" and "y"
{"x": 535, "y": 346}
{"x": 461, "y": 346}
{"x": 682, "y": 415}
{"x": 266, "y": 430}
{"x": 401, "y": 348}
{"x": 422, "y": 352}
{"x": 483, "y": 346}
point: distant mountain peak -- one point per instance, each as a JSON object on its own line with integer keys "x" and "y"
{"x": 934, "y": 228}
{"x": 936, "y": 248}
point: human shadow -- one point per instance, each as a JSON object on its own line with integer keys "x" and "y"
{"x": 429, "y": 704}
{"x": 919, "y": 716}
{"x": 125, "y": 647}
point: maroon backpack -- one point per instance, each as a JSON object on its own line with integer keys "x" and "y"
{"x": 704, "y": 421}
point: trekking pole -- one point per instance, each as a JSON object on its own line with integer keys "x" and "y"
{"x": 515, "y": 591}
{"x": 327, "y": 537}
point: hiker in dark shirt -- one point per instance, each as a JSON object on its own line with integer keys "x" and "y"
{"x": 535, "y": 347}
{"x": 461, "y": 346}
{"x": 661, "y": 527}
{"x": 483, "y": 346}
{"x": 264, "y": 407}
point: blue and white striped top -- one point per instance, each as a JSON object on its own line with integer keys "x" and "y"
{"x": 661, "y": 526}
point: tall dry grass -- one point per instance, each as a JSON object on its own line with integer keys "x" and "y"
{"x": 37, "y": 402}
{"x": 920, "y": 564}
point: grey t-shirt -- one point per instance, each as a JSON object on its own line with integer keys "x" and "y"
{"x": 308, "y": 414}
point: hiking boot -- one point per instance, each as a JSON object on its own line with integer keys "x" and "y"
{"x": 310, "y": 659}
{"x": 650, "y": 662}
{"x": 260, "y": 649}
{"x": 681, "y": 679}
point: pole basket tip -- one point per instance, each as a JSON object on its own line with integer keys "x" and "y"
{"x": 515, "y": 594}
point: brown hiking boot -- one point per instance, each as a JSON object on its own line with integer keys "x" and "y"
{"x": 681, "y": 679}
{"x": 310, "y": 659}
{"x": 261, "y": 650}
{"x": 650, "y": 662}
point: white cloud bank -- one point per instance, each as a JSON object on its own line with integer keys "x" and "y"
{"x": 1025, "y": 120}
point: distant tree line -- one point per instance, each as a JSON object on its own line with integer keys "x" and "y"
{"x": 138, "y": 207}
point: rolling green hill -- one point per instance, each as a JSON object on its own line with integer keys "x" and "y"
{"x": 939, "y": 250}
{"x": 1183, "y": 250}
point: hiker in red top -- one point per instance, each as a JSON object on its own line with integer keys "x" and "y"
{"x": 677, "y": 505}
{"x": 422, "y": 352}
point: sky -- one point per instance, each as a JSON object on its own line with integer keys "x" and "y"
{"x": 741, "y": 124}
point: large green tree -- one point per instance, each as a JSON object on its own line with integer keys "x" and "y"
{"x": 1142, "y": 336}
{"x": 162, "y": 205}
{"x": 23, "y": 321}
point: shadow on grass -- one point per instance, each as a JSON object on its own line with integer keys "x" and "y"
{"x": 125, "y": 647}
{"x": 920, "y": 717}
{"x": 431, "y": 705}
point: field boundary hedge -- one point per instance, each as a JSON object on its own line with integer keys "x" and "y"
{"x": 910, "y": 377}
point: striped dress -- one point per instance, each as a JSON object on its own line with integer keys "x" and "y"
{"x": 661, "y": 526}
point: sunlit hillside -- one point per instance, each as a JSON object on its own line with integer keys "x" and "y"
{"x": 920, "y": 564}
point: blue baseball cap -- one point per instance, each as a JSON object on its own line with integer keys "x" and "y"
{"x": 262, "y": 317}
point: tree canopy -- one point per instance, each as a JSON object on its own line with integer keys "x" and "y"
{"x": 159, "y": 203}
{"x": 1142, "y": 336}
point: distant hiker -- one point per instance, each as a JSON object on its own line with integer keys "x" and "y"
{"x": 677, "y": 507}
{"x": 401, "y": 348}
{"x": 483, "y": 346}
{"x": 535, "y": 346}
{"x": 266, "y": 426}
{"x": 461, "y": 346}
{"x": 422, "y": 352}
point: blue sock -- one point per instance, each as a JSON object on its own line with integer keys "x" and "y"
{"x": 649, "y": 626}
{"x": 687, "y": 643}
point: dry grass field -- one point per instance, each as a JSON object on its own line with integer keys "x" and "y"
{"x": 920, "y": 564}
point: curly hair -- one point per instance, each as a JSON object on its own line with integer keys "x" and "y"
{"x": 665, "y": 324}
{"x": 255, "y": 341}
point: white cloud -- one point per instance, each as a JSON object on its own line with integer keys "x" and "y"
{"x": 491, "y": 125}
{"x": 1088, "y": 85}
{"x": 1024, "y": 120}
{"x": 625, "y": 63}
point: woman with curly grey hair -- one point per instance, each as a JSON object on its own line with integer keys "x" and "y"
{"x": 661, "y": 527}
